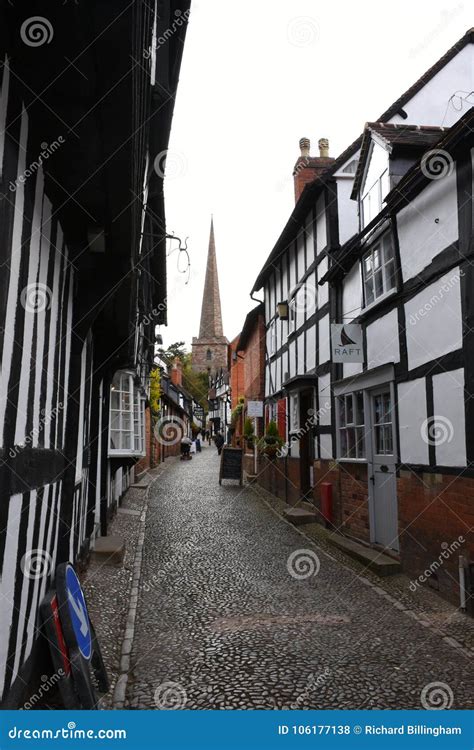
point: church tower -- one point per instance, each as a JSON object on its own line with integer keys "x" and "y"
{"x": 210, "y": 349}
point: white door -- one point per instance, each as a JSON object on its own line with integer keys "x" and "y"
{"x": 382, "y": 474}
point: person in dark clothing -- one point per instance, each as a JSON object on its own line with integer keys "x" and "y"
{"x": 219, "y": 442}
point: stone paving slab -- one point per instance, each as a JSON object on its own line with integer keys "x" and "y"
{"x": 107, "y": 587}
{"x": 239, "y": 609}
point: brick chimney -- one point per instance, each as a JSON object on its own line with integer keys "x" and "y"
{"x": 177, "y": 372}
{"x": 307, "y": 167}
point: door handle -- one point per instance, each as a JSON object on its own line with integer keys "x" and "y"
{"x": 372, "y": 479}
{"x": 384, "y": 468}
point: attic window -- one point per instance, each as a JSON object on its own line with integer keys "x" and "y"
{"x": 351, "y": 167}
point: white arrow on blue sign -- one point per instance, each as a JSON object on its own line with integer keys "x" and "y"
{"x": 78, "y": 613}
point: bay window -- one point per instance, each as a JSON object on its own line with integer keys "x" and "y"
{"x": 127, "y": 417}
{"x": 351, "y": 425}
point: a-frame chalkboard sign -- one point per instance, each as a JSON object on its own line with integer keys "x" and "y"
{"x": 231, "y": 464}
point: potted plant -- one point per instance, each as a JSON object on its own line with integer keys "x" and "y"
{"x": 249, "y": 432}
{"x": 271, "y": 442}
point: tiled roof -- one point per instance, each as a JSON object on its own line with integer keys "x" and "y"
{"x": 395, "y": 135}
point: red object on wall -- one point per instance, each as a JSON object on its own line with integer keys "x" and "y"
{"x": 281, "y": 417}
{"x": 326, "y": 500}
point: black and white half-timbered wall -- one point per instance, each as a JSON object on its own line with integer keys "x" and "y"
{"x": 82, "y": 284}
{"x": 381, "y": 239}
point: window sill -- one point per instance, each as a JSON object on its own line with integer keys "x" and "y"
{"x": 351, "y": 460}
{"x": 125, "y": 454}
{"x": 378, "y": 301}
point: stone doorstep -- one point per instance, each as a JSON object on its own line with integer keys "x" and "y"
{"x": 376, "y": 561}
{"x": 299, "y": 516}
{"x": 138, "y": 486}
{"x": 108, "y": 549}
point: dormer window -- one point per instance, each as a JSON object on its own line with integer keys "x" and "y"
{"x": 378, "y": 270}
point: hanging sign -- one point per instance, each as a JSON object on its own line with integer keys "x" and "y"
{"x": 255, "y": 408}
{"x": 346, "y": 342}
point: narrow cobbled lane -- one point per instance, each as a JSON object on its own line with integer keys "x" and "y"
{"x": 239, "y": 610}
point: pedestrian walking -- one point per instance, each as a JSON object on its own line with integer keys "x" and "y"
{"x": 198, "y": 442}
{"x": 219, "y": 442}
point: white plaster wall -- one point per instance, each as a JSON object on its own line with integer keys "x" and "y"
{"x": 323, "y": 291}
{"x": 349, "y": 370}
{"x": 421, "y": 238}
{"x": 292, "y": 359}
{"x": 382, "y": 340}
{"x": 321, "y": 234}
{"x": 311, "y": 348}
{"x": 324, "y": 394}
{"x": 378, "y": 163}
{"x": 352, "y": 294}
{"x": 323, "y": 338}
{"x": 326, "y": 446}
{"x": 430, "y": 105}
{"x": 347, "y": 209}
{"x": 449, "y": 426}
{"x": 433, "y": 320}
{"x": 411, "y": 403}
{"x": 300, "y": 368}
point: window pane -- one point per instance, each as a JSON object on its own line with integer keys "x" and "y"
{"x": 379, "y": 440}
{"x": 369, "y": 291}
{"x": 126, "y": 440}
{"x": 360, "y": 438}
{"x": 368, "y": 265}
{"x": 343, "y": 443}
{"x": 388, "y": 441}
{"x": 115, "y": 420}
{"x": 115, "y": 400}
{"x": 115, "y": 439}
{"x": 342, "y": 412}
{"x": 351, "y": 450}
{"x": 390, "y": 275}
{"x": 359, "y": 408}
{"x": 349, "y": 410}
{"x": 378, "y": 283}
{"x": 377, "y": 257}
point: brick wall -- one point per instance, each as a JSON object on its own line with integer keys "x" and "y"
{"x": 254, "y": 363}
{"x": 434, "y": 510}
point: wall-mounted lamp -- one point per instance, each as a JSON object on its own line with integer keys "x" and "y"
{"x": 282, "y": 310}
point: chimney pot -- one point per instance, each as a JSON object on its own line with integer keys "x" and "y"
{"x": 305, "y": 145}
{"x": 323, "y": 145}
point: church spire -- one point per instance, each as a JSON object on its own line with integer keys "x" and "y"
{"x": 210, "y": 349}
{"x": 211, "y": 315}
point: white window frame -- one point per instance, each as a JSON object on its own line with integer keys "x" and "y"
{"x": 133, "y": 416}
{"x": 384, "y": 247}
{"x": 355, "y": 425}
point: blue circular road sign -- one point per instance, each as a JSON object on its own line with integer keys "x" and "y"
{"x": 79, "y": 616}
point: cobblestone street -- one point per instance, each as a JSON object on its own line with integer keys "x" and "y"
{"x": 237, "y": 609}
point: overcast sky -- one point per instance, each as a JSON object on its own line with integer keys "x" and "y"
{"x": 257, "y": 75}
